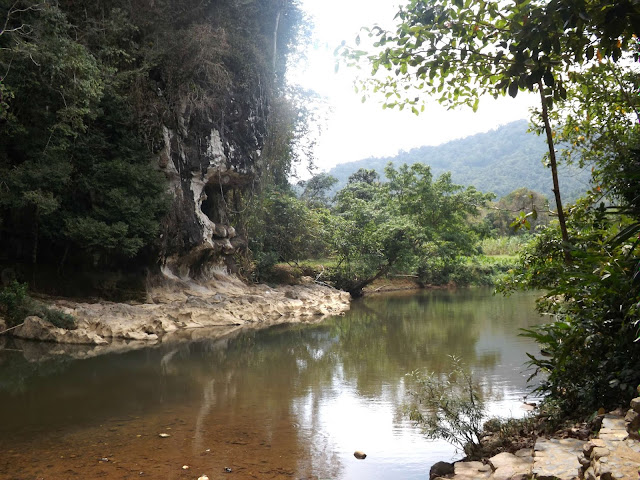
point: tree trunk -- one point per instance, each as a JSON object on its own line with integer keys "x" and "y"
{"x": 356, "y": 290}
{"x": 554, "y": 174}
{"x": 275, "y": 39}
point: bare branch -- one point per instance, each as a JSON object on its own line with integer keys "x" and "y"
{"x": 23, "y": 29}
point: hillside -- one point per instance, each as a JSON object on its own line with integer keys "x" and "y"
{"x": 498, "y": 161}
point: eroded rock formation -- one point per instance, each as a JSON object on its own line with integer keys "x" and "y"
{"x": 185, "y": 305}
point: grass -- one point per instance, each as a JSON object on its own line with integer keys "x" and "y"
{"x": 504, "y": 246}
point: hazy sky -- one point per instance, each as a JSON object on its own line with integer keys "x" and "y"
{"x": 354, "y": 130}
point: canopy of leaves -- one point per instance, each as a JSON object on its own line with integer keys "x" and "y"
{"x": 409, "y": 223}
{"x": 458, "y": 50}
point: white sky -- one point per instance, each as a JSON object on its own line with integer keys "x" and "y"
{"x": 354, "y": 130}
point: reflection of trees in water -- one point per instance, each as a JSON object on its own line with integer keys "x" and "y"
{"x": 371, "y": 347}
{"x": 285, "y": 373}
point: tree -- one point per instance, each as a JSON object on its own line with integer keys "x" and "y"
{"x": 316, "y": 189}
{"x": 410, "y": 223}
{"x": 458, "y": 50}
{"x": 529, "y": 207}
{"x": 284, "y": 228}
{"x": 75, "y": 170}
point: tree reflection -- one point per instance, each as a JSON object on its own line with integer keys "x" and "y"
{"x": 265, "y": 389}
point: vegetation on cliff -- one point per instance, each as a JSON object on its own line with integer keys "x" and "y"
{"x": 101, "y": 103}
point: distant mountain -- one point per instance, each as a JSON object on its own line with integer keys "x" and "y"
{"x": 498, "y": 161}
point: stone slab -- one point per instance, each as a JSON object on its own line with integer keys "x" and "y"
{"x": 614, "y": 429}
{"x": 557, "y": 459}
{"x": 622, "y": 463}
{"x": 472, "y": 470}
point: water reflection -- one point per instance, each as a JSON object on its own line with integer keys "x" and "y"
{"x": 287, "y": 402}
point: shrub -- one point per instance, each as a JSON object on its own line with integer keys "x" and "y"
{"x": 17, "y": 305}
{"x": 13, "y": 300}
{"x": 448, "y": 406}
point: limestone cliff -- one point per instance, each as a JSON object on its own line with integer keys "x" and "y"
{"x": 214, "y": 96}
{"x": 206, "y": 170}
{"x": 103, "y": 95}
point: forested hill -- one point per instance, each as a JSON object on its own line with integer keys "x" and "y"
{"x": 498, "y": 161}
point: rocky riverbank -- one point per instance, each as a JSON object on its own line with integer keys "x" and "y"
{"x": 173, "y": 306}
{"x": 613, "y": 452}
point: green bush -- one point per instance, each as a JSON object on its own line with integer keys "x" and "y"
{"x": 13, "y": 300}
{"x": 591, "y": 352}
{"x": 17, "y": 305}
{"x": 448, "y": 406}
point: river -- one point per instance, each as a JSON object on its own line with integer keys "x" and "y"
{"x": 288, "y": 402}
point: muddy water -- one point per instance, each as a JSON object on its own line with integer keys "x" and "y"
{"x": 288, "y": 402}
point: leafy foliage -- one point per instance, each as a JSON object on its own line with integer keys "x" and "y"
{"x": 284, "y": 229}
{"x": 448, "y": 406}
{"x": 75, "y": 171}
{"x": 16, "y": 304}
{"x": 457, "y": 50}
{"x": 411, "y": 223}
{"x": 530, "y": 210}
{"x": 12, "y": 300}
{"x": 593, "y": 359}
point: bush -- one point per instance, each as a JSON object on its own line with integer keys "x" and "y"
{"x": 508, "y": 434}
{"x": 448, "y": 406}
{"x": 591, "y": 352}
{"x": 18, "y": 305}
{"x": 13, "y": 300}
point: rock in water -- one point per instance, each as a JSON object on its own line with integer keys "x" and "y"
{"x": 440, "y": 469}
{"x": 359, "y": 455}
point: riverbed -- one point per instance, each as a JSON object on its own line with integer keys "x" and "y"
{"x": 290, "y": 401}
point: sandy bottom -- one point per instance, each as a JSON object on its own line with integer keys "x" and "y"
{"x": 133, "y": 448}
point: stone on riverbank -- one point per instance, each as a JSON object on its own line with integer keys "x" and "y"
{"x": 556, "y": 458}
{"x": 440, "y": 469}
{"x": 37, "y": 328}
{"x": 508, "y": 466}
{"x": 185, "y": 305}
{"x": 615, "y": 454}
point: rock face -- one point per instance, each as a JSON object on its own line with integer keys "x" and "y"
{"x": 206, "y": 172}
{"x": 212, "y": 107}
{"x": 37, "y": 328}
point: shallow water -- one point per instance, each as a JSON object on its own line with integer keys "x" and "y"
{"x": 287, "y": 402}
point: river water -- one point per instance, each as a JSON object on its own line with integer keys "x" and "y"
{"x": 292, "y": 401}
